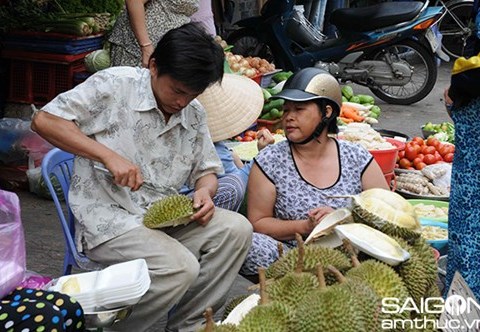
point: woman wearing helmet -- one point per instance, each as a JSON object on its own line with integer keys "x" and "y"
{"x": 292, "y": 184}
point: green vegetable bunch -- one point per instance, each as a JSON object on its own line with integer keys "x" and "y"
{"x": 444, "y": 131}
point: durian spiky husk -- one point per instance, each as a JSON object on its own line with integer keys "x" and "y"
{"x": 314, "y": 255}
{"x": 232, "y": 304}
{"x": 420, "y": 271}
{"x": 383, "y": 280}
{"x": 171, "y": 210}
{"x": 369, "y": 302}
{"x": 292, "y": 288}
{"x": 270, "y": 317}
{"x": 223, "y": 328}
{"x": 386, "y": 211}
{"x": 331, "y": 309}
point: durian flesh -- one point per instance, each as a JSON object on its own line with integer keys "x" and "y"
{"x": 386, "y": 211}
{"x": 171, "y": 210}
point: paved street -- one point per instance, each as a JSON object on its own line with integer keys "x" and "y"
{"x": 44, "y": 236}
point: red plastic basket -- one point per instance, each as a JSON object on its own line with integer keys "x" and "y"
{"x": 38, "y": 77}
{"x": 387, "y": 158}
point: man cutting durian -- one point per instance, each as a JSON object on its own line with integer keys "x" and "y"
{"x": 145, "y": 125}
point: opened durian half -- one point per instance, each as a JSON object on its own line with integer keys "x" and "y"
{"x": 327, "y": 224}
{"x": 171, "y": 210}
{"x": 386, "y": 211}
{"x": 373, "y": 243}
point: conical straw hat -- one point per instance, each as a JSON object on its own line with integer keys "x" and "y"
{"x": 232, "y": 106}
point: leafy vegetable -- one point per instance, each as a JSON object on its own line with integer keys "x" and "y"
{"x": 444, "y": 131}
{"x": 97, "y": 60}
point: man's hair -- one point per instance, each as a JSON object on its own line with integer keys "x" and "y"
{"x": 191, "y": 56}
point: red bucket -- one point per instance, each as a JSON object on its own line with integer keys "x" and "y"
{"x": 387, "y": 158}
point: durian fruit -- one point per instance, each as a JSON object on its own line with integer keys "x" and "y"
{"x": 210, "y": 325}
{"x": 314, "y": 255}
{"x": 432, "y": 291}
{"x": 332, "y": 309}
{"x": 232, "y": 304}
{"x": 239, "y": 311}
{"x": 367, "y": 300}
{"x": 171, "y": 210}
{"x": 268, "y": 316}
{"x": 386, "y": 211}
{"x": 294, "y": 286}
{"x": 382, "y": 279}
{"x": 420, "y": 271}
{"x": 328, "y": 223}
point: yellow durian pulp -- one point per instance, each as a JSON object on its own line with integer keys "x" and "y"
{"x": 392, "y": 210}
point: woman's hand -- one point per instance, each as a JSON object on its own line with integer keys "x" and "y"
{"x": 448, "y": 101}
{"x": 264, "y": 138}
{"x": 316, "y": 215}
{"x": 146, "y": 53}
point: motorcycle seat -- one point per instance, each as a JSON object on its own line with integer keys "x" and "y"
{"x": 376, "y": 16}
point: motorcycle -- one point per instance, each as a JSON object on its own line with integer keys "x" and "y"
{"x": 388, "y": 47}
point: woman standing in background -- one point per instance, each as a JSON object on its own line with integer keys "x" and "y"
{"x": 463, "y": 102}
{"x": 141, "y": 25}
{"x": 204, "y": 16}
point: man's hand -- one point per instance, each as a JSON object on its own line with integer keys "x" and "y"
{"x": 124, "y": 172}
{"x": 203, "y": 204}
{"x": 264, "y": 138}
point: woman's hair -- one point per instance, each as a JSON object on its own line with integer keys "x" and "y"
{"x": 331, "y": 123}
{"x": 191, "y": 56}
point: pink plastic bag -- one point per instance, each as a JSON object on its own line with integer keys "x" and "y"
{"x": 12, "y": 243}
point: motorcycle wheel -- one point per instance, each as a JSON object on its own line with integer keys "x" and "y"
{"x": 423, "y": 78}
{"x": 245, "y": 42}
{"x": 456, "y": 27}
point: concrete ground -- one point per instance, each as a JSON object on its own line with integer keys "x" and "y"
{"x": 44, "y": 238}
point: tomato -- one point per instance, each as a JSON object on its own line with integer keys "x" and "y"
{"x": 443, "y": 150}
{"x": 421, "y": 156}
{"x": 251, "y": 133}
{"x": 428, "y": 150}
{"x": 410, "y": 152}
{"x": 429, "y": 159}
{"x": 420, "y": 166}
{"x": 401, "y": 154}
{"x": 419, "y": 140}
{"x": 418, "y": 148}
{"x": 239, "y": 138}
{"x": 432, "y": 141}
{"x": 448, "y": 157}
{"x": 404, "y": 163}
{"x": 438, "y": 157}
{"x": 248, "y": 138}
{"x": 416, "y": 161}
{"x": 449, "y": 148}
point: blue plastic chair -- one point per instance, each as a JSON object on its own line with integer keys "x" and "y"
{"x": 58, "y": 164}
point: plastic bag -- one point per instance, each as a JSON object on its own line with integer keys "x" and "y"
{"x": 34, "y": 280}
{"x": 18, "y": 142}
{"x": 439, "y": 174}
{"x": 12, "y": 243}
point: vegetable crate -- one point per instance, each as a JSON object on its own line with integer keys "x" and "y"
{"x": 38, "y": 77}
{"x": 50, "y": 42}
